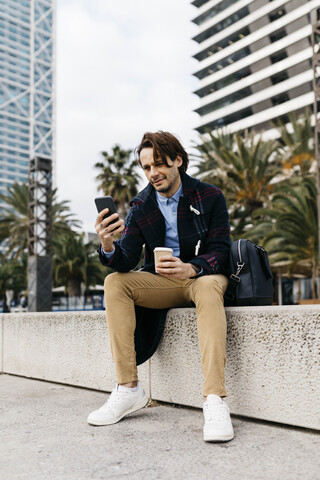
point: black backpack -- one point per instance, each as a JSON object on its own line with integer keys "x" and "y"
{"x": 250, "y": 282}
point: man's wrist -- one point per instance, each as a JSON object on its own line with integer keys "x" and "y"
{"x": 196, "y": 269}
{"x": 108, "y": 251}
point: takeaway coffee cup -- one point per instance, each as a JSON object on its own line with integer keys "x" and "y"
{"x": 160, "y": 252}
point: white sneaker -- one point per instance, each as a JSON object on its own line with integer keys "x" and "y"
{"x": 119, "y": 404}
{"x": 217, "y": 421}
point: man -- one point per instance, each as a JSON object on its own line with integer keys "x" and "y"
{"x": 191, "y": 217}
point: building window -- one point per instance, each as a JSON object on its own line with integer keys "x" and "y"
{"x": 275, "y": 36}
{"x": 221, "y": 122}
{"x": 225, "y": 101}
{"x": 199, "y": 3}
{"x": 225, "y": 62}
{"x": 226, "y": 22}
{"x": 213, "y": 11}
{"x": 224, "y": 82}
{"x": 279, "y": 77}
{"x": 273, "y": 16}
{"x": 226, "y": 42}
{"x": 278, "y": 56}
{"x": 281, "y": 98}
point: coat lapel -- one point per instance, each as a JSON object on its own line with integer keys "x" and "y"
{"x": 151, "y": 222}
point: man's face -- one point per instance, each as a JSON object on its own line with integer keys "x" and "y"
{"x": 166, "y": 180}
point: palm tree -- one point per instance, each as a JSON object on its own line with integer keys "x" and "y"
{"x": 118, "y": 177}
{"x": 76, "y": 262}
{"x": 289, "y": 229}
{"x": 297, "y": 139}
{"x": 13, "y": 276}
{"x": 209, "y": 158}
{"x": 5, "y": 282}
{"x": 244, "y": 169}
{"x": 14, "y": 219}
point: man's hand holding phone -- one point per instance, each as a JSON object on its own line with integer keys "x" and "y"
{"x": 107, "y": 230}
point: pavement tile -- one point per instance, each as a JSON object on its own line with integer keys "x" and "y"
{"x": 44, "y": 435}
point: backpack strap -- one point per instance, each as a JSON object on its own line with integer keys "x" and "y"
{"x": 232, "y": 287}
{"x": 233, "y": 284}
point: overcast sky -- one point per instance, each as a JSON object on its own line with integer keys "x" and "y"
{"x": 123, "y": 67}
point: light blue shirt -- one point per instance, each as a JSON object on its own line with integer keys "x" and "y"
{"x": 169, "y": 208}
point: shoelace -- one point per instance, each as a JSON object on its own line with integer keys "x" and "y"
{"x": 216, "y": 413}
{"x": 113, "y": 399}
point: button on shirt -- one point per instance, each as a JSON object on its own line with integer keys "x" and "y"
{"x": 169, "y": 208}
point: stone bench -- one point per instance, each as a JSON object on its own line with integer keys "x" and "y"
{"x": 272, "y": 371}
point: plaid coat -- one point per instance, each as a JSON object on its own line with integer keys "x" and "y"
{"x": 204, "y": 239}
{"x": 202, "y": 221}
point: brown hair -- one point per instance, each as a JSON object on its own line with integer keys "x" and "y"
{"x": 164, "y": 144}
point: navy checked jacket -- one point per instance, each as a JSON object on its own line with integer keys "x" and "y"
{"x": 203, "y": 221}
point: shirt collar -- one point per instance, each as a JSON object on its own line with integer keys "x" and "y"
{"x": 176, "y": 196}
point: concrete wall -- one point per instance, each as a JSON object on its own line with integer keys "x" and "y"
{"x": 272, "y": 371}
{"x": 64, "y": 347}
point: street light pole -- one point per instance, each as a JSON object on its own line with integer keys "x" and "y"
{"x": 40, "y": 235}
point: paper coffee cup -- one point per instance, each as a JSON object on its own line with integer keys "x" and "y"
{"x": 161, "y": 252}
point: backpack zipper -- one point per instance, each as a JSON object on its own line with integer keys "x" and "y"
{"x": 240, "y": 264}
{"x": 239, "y": 251}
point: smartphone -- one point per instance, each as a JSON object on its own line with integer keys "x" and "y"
{"x": 106, "y": 202}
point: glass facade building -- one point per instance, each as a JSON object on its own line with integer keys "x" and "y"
{"x": 255, "y": 61}
{"x": 26, "y": 86}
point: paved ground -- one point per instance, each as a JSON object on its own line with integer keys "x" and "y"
{"x": 44, "y": 435}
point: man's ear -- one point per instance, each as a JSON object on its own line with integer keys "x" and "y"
{"x": 179, "y": 160}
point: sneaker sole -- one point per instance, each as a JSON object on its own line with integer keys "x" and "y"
{"x": 218, "y": 438}
{"x": 136, "y": 407}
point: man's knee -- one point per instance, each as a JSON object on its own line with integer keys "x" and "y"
{"x": 113, "y": 283}
{"x": 211, "y": 285}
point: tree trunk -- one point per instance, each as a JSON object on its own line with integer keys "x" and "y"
{"x": 73, "y": 287}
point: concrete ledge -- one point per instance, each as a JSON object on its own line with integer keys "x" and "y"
{"x": 65, "y": 347}
{"x": 273, "y": 356}
{"x": 272, "y": 371}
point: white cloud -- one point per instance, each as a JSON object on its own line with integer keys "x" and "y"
{"x": 122, "y": 68}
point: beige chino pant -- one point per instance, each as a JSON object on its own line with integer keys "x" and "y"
{"x": 124, "y": 290}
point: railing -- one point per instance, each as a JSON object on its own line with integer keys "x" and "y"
{"x": 91, "y": 302}
{"x": 62, "y": 304}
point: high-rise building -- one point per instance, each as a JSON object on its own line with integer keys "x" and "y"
{"x": 255, "y": 61}
{"x": 26, "y": 86}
